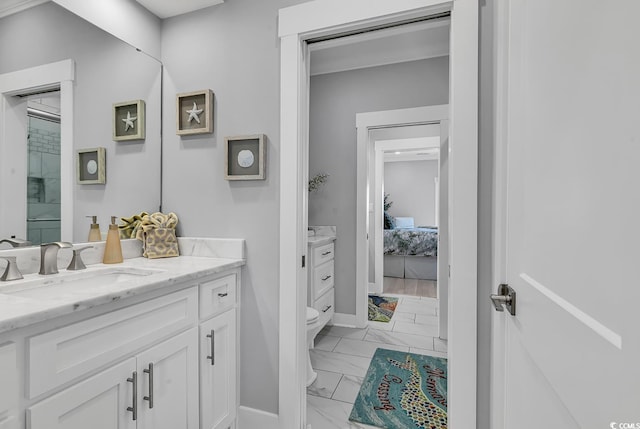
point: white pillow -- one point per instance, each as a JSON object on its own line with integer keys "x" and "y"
{"x": 404, "y": 222}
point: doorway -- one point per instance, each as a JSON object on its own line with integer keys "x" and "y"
{"x": 298, "y": 24}
{"x": 43, "y": 174}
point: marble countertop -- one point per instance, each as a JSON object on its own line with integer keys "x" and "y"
{"x": 319, "y": 240}
{"x": 73, "y": 291}
{"x": 321, "y": 235}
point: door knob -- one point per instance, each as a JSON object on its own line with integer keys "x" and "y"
{"x": 506, "y": 297}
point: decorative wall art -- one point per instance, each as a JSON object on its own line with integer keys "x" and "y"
{"x": 128, "y": 120}
{"x": 90, "y": 167}
{"x": 245, "y": 157}
{"x": 194, "y": 112}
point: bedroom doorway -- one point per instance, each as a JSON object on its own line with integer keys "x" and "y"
{"x": 409, "y": 179}
{"x": 418, "y": 130}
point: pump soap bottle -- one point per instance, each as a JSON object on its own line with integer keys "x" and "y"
{"x": 94, "y": 230}
{"x": 113, "y": 248}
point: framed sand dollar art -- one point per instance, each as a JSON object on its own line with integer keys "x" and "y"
{"x": 90, "y": 166}
{"x": 245, "y": 157}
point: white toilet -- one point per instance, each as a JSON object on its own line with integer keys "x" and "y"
{"x": 313, "y": 328}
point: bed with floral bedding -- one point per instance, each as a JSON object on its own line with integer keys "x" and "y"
{"x": 411, "y": 253}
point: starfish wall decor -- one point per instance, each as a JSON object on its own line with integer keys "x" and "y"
{"x": 128, "y": 120}
{"x": 194, "y": 112}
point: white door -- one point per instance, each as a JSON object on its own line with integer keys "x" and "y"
{"x": 168, "y": 384}
{"x": 569, "y": 72}
{"x": 218, "y": 371}
{"x": 104, "y": 401}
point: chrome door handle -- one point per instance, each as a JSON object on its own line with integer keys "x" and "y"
{"x": 150, "y": 397}
{"x": 212, "y": 335}
{"x": 134, "y": 408}
{"x": 506, "y": 297}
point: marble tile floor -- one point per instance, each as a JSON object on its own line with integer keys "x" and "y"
{"x": 341, "y": 357}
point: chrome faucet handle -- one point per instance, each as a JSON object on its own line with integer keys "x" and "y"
{"x": 76, "y": 262}
{"x": 49, "y": 256}
{"x": 11, "y": 272}
{"x": 16, "y": 242}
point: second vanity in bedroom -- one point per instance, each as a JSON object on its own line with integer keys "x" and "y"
{"x": 143, "y": 344}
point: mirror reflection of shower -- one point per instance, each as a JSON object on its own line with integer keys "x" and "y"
{"x": 43, "y": 174}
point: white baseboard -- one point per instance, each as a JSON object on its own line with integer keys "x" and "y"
{"x": 251, "y": 418}
{"x": 347, "y": 320}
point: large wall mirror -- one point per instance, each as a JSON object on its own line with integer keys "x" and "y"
{"x": 32, "y": 166}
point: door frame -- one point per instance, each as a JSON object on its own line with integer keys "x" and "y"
{"x": 41, "y": 78}
{"x": 365, "y": 124}
{"x": 305, "y": 21}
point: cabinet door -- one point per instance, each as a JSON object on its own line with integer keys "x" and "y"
{"x": 99, "y": 402}
{"x": 168, "y": 380}
{"x": 8, "y": 386}
{"x": 218, "y": 371}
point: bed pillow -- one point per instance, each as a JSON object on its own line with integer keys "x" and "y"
{"x": 404, "y": 222}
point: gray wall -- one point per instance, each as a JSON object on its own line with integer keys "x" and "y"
{"x": 335, "y": 100}
{"x": 107, "y": 71}
{"x": 411, "y": 187}
{"x": 233, "y": 49}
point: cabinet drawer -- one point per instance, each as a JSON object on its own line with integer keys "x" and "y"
{"x": 322, "y": 279}
{"x": 323, "y": 254}
{"x": 61, "y": 355}
{"x": 217, "y": 295}
{"x": 326, "y": 306}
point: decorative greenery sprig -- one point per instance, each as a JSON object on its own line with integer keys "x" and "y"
{"x": 317, "y": 181}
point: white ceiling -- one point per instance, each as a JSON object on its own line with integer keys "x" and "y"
{"x": 168, "y": 8}
{"x": 160, "y": 8}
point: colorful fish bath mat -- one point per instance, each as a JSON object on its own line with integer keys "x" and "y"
{"x": 403, "y": 390}
{"x": 381, "y": 308}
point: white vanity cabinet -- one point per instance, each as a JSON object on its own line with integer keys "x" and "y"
{"x": 156, "y": 388}
{"x": 320, "y": 293}
{"x": 165, "y": 362}
{"x": 8, "y": 386}
{"x": 218, "y": 352}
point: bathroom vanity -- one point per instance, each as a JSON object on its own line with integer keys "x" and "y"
{"x": 143, "y": 344}
{"x": 320, "y": 289}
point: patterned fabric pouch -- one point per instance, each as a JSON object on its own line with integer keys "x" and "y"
{"x": 160, "y": 243}
{"x": 158, "y": 235}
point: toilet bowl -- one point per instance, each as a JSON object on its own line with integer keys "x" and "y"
{"x": 313, "y": 328}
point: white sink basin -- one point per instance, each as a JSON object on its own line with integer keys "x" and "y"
{"x": 67, "y": 283}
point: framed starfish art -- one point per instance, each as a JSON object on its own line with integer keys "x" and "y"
{"x": 194, "y": 112}
{"x": 128, "y": 120}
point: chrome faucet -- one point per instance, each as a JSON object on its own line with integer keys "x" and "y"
{"x": 16, "y": 242}
{"x": 49, "y": 256}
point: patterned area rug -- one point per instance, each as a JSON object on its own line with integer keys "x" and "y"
{"x": 403, "y": 390}
{"x": 381, "y": 308}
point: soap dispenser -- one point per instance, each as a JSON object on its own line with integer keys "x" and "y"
{"x": 113, "y": 248}
{"x": 94, "y": 230}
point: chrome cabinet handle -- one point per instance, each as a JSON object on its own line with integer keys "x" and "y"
{"x": 327, "y": 308}
{"x": 150, "y": 397}
{"x": 326, "y": 278}
{"x": 134, "y": 409}
{"x": 326, "y": 253}
{"x": 222, "y": 295}
{"x": 212, "y": 335}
